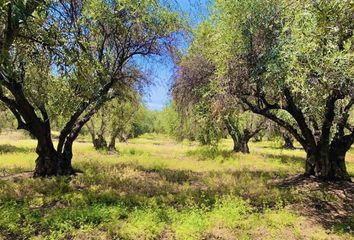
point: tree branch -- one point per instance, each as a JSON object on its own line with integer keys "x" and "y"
{"x": 329, "y": 117}
{"x": 266, "y": 113}
{"x": 297, "y": 114}
{"x": 12, "y": 106}
{"x": 342, "y": 123}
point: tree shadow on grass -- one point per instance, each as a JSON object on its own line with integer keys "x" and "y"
{"x": 285, "y": 158}
{"x": 201, "y": 188}
{"x": 133, "y": 186}
{"x": 329, "y": 203}
{"x": 7, "y": 148}
{"x": 281, "y": 148}
{"x": 15, "y": 177}
{"x": 173, "y": 176}
{"x": 207, "y": 153}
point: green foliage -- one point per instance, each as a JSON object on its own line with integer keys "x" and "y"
{"x": 116, "y": 119}
{"x": 292, "y": 40}
{"x": 7, "y": 120}
{"x": 166, "y": 121}
{"x": 149, "y": 19}
{"x": 289, "y": 61}
{"x": 62, "y": 61}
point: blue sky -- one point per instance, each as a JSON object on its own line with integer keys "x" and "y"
{"x": 157, "y": 95}
{"x": 161, "y": 70}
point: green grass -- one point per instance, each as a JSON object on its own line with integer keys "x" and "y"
{"x": 159, "y": 189}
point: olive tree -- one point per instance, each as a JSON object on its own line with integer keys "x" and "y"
{"x": 242, "y": 127}
{"x": 292, "y": 62}
{"x": 67, "y": 58}
{"x": 194, "y": 98}
{"x": 196, "y": 91}
{"x": 114, "y": 120}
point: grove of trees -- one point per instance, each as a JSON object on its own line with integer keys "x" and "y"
{"x": 289, "y": 61}
{"x": 114, "y": 120}
{"x": 68, "y": 58}
{"x": 285, "y": 67}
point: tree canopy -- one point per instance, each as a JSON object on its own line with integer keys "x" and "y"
{"x": 67, "y": 58}
{"x": 292, "y": 62}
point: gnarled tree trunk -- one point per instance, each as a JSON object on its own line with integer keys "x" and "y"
{"x": 326, "y": 142}
{"x": 240, "y": 140}
{"x": 242, "y": 146}
{"x": 49, "y": 162}
{"x": 327, "y": 166}
{"x": 112, "y": 143}
{"x": 327, "y": 161}
{"x": 288, "y": 141}
{"x": 100, "y": 143}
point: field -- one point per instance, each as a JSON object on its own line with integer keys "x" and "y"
{"x": 157, "y": 188}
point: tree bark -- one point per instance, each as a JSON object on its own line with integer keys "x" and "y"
{"x": 288, "y": 141}
{"x": 100, "y": 143}
{"x": 49, "y": 162}
{"x": 112, "y": 145}
{"x": 242, "y": 146}
{"x": 235, "y": 141}
{"x": 325, "y": 158}
{"x": 327, "y": 164}
{"x": 240, "y": 140}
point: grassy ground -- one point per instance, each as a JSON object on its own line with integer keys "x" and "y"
{"x": 159, "y": 189}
